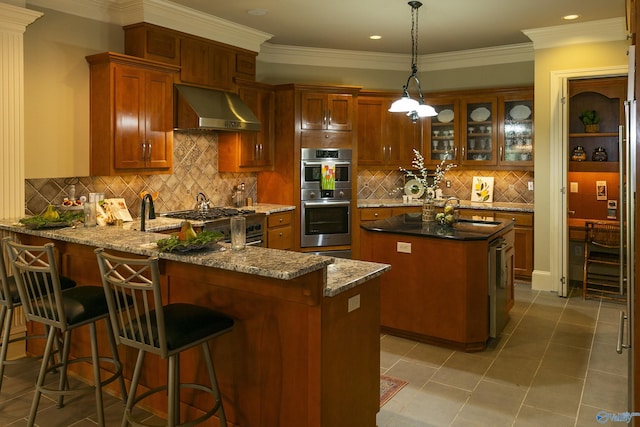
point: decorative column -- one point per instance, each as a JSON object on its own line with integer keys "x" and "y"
{"x": 13, "y": 23}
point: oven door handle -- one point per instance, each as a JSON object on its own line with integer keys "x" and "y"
{"x": 325, "y": 204}
{"x": 318, "y": 163}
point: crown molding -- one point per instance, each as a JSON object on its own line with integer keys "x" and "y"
{"x": 605, "y": 30}
{"x": 16, "y": 18}
{"x": 163, "y": 13}
{"x": 179, "y": 18}
{"x": 295, "y": 55}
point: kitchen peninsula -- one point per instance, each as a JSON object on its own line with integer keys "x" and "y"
{"x": 305, "y": 348}
{"x": 438, "y": 290}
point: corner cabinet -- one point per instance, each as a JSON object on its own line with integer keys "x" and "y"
{"x": 385, "y": 140}
{"x": 250, "y": 151}
{"x": 131, "y": 103}
{"x": 606, "y": 96}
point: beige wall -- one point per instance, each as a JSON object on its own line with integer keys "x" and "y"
{"x": 576, "y": 57}
{"x": 57, "y": 91}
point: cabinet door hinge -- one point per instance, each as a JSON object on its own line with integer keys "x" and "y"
{"x": 563, "y": 280}
{"x": 563, "y": 100}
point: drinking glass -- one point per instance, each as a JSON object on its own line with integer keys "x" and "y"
{"x": 238, "y": 232}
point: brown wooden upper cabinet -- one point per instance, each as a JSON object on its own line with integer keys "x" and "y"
{"x": 326, "y": 111}
{"x": 203, "y": 62}
{"x": 206, "y": 64}
{"x": 327, "y": 117}
{"x": 250, "y": 151}
{"x": 131, "y": 115}
{"x": 385, "y": 140}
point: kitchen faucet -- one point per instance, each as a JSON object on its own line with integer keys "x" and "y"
{"x": 152, "y": 210}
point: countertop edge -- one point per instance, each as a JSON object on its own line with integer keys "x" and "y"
{"x": 265, "y": 262}
{"x": 464, "y": 204}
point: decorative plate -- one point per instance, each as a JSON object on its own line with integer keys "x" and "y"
{"x": 445, "y": 116}
{"x": 414, "y": 189}
{"x": 520, "y": 112}
{"x": 480, "y": 114}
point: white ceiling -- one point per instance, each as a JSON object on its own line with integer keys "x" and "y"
{"x": 444, "y": 25}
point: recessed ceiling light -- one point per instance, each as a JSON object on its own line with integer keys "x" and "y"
{"x": 570, "y": 17}
{"x": 257, "y": 12}
{"x": 375, "y": 37}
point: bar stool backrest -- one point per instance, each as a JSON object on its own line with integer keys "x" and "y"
{"x": 36, "y": 275}
{"x": 132, "y": 288}
{"x": 5, "y": 292}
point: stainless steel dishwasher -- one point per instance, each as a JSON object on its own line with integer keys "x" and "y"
{"x": 499, "y": 265}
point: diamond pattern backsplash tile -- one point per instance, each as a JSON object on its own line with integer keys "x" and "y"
{"x": 509, "y": 186}
{"x": 195, "y": 169}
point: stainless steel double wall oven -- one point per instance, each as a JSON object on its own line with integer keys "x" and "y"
{"x": 325, "y": 213}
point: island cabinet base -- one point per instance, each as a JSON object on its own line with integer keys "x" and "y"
{"x": 294, "y": 357}
{"x": 437, "y": 293}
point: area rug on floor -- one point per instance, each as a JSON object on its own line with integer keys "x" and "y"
{"x": 389, "y": 386}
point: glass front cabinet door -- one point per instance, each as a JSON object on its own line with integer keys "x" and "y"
{"x": 516, "y": 138}
{"x": 441, "y": 139}
{"x": 479, "y": 127}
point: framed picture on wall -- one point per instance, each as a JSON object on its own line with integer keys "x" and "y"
{"x": 601, "y": 190}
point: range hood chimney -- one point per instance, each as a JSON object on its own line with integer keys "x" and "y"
{"x": 200, "y": 108}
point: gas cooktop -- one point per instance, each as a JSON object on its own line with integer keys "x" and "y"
{"x": 209, "y": 214}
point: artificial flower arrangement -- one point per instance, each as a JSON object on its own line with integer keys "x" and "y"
{"x": 422, "y": 174}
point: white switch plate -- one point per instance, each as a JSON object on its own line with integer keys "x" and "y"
{"x": 573, "y": 187}
{"x": 530, "y": 185}
{"x": 353, "y": 303}
{"x": 403, "y": 247}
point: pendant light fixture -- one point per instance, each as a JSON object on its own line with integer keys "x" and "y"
{"x": 414, "y": 109}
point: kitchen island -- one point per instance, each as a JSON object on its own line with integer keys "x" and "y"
{"x": 438, "y": 288}
{"x": 304, "y": 350}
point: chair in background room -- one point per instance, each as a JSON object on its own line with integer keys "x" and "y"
{"x": 9, "y": 302}
{"x": 43, "y": 301}
{"x": 602, "y": 263}
{"x": 166, "y": 331}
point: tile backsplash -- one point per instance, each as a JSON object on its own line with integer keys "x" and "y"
{"x": 509, "y": 185}
{"x": 195, "y": 170}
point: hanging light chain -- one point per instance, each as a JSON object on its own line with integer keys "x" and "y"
{"x": 414, "y": 34}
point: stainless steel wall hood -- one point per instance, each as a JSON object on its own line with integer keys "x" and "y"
{"x": 200, "y": 108}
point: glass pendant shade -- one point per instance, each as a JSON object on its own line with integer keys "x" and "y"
{"x": 404, "y": 105}
{"x": 425, "y": 110}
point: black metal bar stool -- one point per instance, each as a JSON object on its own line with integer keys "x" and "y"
{"x": 43, "y": 300}
{"x": 163, "y": 330}
{"x": 9, "y": 302}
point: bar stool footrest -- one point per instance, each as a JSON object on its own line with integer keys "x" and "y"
{"x": 190, "y": 423}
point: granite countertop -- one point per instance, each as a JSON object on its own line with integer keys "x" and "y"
{"x": 464, "y": 204}
{"x": 411, "y": 224}
{"x": 279, "y": 264}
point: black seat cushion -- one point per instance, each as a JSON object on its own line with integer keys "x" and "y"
{"x": 80, "y": 304}
{"x": 65, "y": 283}
{"x": 188, "y": 323}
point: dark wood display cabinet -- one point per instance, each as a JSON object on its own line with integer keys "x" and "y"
{"x": 605, "y": 96}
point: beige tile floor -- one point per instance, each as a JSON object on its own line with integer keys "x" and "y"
{"x": 554, "y": 365}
